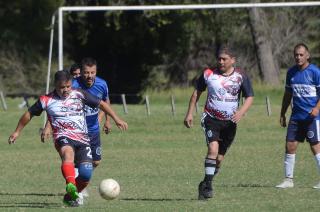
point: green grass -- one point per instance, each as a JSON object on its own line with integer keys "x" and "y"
{"x": 159, "y": 163}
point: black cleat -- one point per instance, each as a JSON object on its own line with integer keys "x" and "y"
{"x": 205, "y": 190}
{"x": 67, "y": 200}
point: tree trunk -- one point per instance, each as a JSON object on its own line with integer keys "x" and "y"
{"x": 267, "y": 65}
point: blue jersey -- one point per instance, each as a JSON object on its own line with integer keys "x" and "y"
{"x": 305, "y": 88}
{"x": 98, "y": 89}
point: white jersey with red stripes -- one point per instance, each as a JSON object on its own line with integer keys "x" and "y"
{"x": 224, "y": 92}
{"x": 66, "y": 115}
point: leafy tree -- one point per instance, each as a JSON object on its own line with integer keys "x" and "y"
{"x": 24, "y": 39}
{"x": 140, "y": 49}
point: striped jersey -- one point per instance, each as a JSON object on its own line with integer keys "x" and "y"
{"x": 305, "y": 88}
{"x": 224, "y": 91}
{"x": 98, "y": 89}
{"x": 66, "y": 115}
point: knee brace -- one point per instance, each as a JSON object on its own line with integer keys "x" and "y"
{"x": 85, "y": 171}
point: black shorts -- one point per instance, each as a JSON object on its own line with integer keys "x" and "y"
{"x": 219, "y": 130}
{"x": 82, "y": 152}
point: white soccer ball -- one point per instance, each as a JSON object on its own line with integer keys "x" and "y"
{"x": 109, "y": 189}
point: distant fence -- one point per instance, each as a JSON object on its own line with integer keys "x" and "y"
{"x": 173, "y": 105}
{"x": 135, "y": 99}
{"x": 123, "y": 99}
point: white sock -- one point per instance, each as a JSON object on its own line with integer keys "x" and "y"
{"x": 317, "y": 157}
{"x": 289, "y": 162}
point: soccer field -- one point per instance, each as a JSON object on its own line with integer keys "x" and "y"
{"x": 159, "y": 163}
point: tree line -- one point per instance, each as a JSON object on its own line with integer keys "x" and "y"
{"x": 140, "y": 50}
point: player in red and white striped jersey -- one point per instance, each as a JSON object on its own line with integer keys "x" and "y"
{"x": 221, "y": 114}
{"x": 65, "y": 109}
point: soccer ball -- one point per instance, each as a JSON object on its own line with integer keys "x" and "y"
{"x": 109, "y": 189}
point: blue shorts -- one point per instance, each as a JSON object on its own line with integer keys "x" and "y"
{"x": 301, "y": 130}
{"x": 95, "y": 145}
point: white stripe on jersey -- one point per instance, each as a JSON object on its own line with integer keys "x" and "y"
{"x": 302, "y": 90}
{"x": 67, "y": 116}
{"x": 318, "y": 130}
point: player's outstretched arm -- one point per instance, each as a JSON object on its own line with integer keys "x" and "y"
{"x": 188, "y": 120}
{"x": 107, "y": 125}
{"x": 24, "y": 120}
{"x": 107, "y": 109}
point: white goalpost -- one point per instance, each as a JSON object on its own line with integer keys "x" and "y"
{"x": 61, "y": 10}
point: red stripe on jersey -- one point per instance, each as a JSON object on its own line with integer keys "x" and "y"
{"x": 45, "y": 99}
{"x": 207, "y": 72}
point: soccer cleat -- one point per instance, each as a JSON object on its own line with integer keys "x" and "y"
{"x": 205, "y": 190}
{"x": 67, "y": 200}
{"x": 317, "y": 186}
{"x": 287, "y": 183}
{"x": 72, "y": 191}
{"x": 85, "y": 193}
{"x": 80, "y": 200}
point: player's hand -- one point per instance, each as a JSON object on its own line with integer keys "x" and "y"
{"x": 13, "y": 137}
{"x": 283, "y": 121}
{"x": 188, "y": 121}
{"x": 107, "y": 127}
{"x": 45, "y": 134}
{"x": 237, "y": 116}
{"x": 314, "y": 112}
{"x": 122, "y": 125}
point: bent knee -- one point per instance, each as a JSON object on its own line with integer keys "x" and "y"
{"x": 291, "y": 147}
{"x": 213, "y": 150}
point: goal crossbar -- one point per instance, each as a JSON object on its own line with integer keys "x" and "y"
{"x": 151, "y": 7}
{"x": 191, "y": 6}
{"x": 167, "y": 7}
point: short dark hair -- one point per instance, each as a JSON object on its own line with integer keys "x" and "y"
{"x": 62, "y": 76}
{"x": 226, "y": 49}
{"x": 302, "y": 45}
{"x": 74, "y": 67}
{"x": 88, "y": 61}
{"x": 299, "y": 45}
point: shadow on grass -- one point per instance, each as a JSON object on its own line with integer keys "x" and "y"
{"x": 246, "y": 185}
{"x": 30, "y": 205}
{"x": 14, "y": 204}
{"x": 158, "y": 199}
{"x": 30, "y": 194}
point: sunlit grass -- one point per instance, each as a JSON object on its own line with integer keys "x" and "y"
{"x": 159, "y": 163}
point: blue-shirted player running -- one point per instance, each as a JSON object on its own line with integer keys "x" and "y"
{"x": 303, "y": 88}
{"x": 98, "y": 87}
